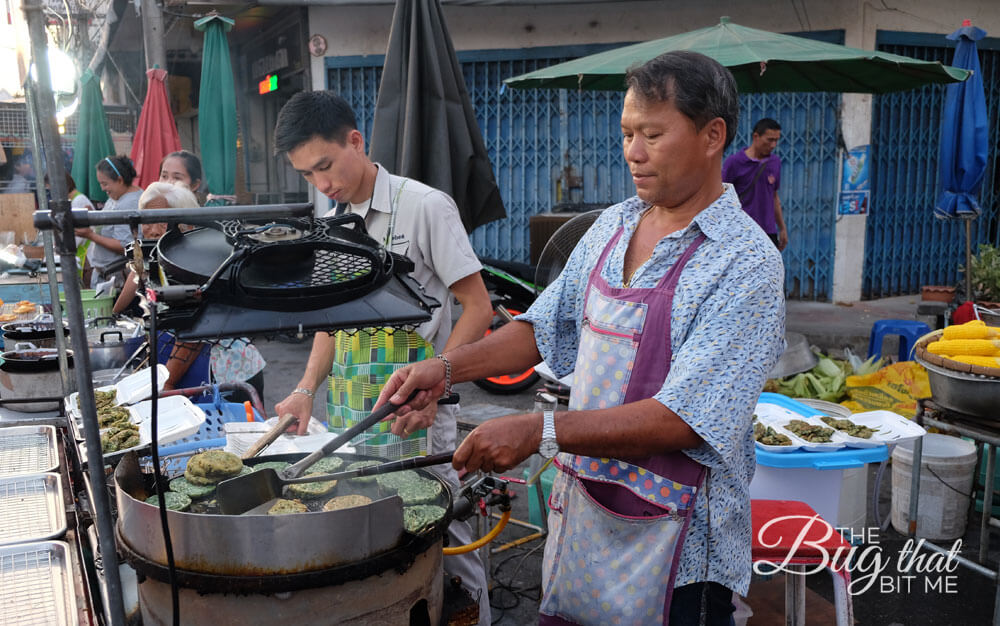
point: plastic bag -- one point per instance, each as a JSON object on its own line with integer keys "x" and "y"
{"x": 896, "y": 387}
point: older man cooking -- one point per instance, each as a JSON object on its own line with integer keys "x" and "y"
{"x": 670, "y": 311}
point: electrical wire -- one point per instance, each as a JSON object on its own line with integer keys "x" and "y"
{"x": 518, "y": 593}
{"x": 157, "y": 476}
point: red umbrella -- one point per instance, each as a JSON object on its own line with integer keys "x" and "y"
{"x": 156, "y": 134}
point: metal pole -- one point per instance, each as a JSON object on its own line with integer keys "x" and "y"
{"x": 968, "y": 261}
{"x": 50, "y": 261}
{"x": 66, "y": 244}
{"x": 47, "y": 220}
{"x": 152, "y": 35}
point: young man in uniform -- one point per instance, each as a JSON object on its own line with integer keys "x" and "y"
{"x": 756, "y": 174}
{"x": 318, "y": 133}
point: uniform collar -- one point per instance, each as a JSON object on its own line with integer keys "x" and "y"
{"x": 711, "y": 220}
{"x": 381, "y": 195}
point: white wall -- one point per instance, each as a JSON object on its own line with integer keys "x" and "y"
{"x": 365, "y": 30}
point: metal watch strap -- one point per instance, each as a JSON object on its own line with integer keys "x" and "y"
{"x": 447, "y": 375}
{"x": 306, "y": 392}
{"x": 548, "y": 425}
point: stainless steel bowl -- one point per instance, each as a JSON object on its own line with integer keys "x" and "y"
{"x": 971, "y": 394}
{"x": 797, "y": 357}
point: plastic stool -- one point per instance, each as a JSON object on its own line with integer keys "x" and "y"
{"x": 777, "y": 525}
{"x": 909, "y": 332}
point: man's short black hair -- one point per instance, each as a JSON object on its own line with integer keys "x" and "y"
{"x": 698, "y": 86}
{"x": 310, "y": 114}
{"x": 765, "y": 124}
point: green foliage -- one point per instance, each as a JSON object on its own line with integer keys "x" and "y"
{"x": 985, "y": 274}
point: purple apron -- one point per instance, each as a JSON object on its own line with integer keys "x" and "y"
{"x": 617, "y": 526}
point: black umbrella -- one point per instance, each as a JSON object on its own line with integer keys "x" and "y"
{"x": 425, "y": 127}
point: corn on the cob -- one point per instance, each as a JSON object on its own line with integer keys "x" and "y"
{"x": 982, "y": 361}
{"x": 976, "y": 329}
{"x": 968, "y": 347}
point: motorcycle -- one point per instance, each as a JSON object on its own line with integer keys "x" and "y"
{"x": 512, "y": 292}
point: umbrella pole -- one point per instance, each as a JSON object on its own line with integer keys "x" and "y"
{"x": 968, "y": 260}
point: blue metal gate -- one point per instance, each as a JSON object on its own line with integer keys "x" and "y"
{"x": 525, "y": 136}
{"x": 906, "y": 247}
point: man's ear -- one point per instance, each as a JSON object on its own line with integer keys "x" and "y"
{"x": 356, "y": 140}
{"x": 715, "y": 136}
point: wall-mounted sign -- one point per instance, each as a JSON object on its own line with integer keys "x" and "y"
{"x": 317, "y": 45}
{"x": 855, "y": 183}
{"x": 269, "y": 84}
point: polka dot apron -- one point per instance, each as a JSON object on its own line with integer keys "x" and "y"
{"x": 617, "y": 526}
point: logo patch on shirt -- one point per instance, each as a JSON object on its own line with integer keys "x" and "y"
{"x": 770, "y": 178}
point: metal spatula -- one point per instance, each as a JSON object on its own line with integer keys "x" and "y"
{"x": 371, "y": 470}
{"x": 240, "y": 494}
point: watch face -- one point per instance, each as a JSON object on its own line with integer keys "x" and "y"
{"x": 548, "y": 448}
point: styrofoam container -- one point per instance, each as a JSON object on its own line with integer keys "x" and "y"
{"x": 137, "y": 386}
{"x": 177, "y": 417}
{"x": 837, "y": 441}
{"x": 833, "y": 482}
{"x": 795, "y": 446}
{"x": 129, "y": 390}
{"x": 889, "y": 427}
{"x": 849, "y": 440}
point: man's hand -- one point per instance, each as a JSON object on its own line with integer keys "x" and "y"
{"x": 782, "y": 239}
{"x": 500, "y": 443}
{"x": 86, "y": 232}
{"x": 425, "y": 376}
{"x": 299, "y": 405}
{"x": 415, "y": 420}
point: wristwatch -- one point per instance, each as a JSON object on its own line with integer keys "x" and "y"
{"x": 548, "y": 448}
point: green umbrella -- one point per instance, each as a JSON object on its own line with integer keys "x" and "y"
{"x": 93, "y": 139}
{"x": 761, "y": 61}
{"x": 217, "y": 108}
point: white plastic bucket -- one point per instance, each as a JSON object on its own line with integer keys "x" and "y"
{"x": 946, "y": 472}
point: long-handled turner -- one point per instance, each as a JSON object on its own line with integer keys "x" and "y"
{"x": 239, "y": 495}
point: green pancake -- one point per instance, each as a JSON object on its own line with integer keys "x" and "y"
{"x": 346, "y": 502}
{"x": 311, "y": 490}
{"x": 175, "y": 501}
{"x": 419, "y": 517}
{"x": 327, "y": 465}
{"x": 395, "y": 480}
{"x": 287, "y": 507}
{"x": 365, "y": 480}
{"x": 212, "y": 467}
{"x": 275, "y": 465}
{"x": 423, "y": 491}
{"x": 195, "y": 492}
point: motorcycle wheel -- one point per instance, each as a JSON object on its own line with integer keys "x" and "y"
{"x": 510, "y": 383}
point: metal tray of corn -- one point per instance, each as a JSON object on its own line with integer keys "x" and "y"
{"x": 28, "y": 450}
{"x": 36, "y": 584}
{"x": 31, "y": 508}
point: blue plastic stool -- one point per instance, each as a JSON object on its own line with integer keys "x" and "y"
{"x": 909, "y": 332}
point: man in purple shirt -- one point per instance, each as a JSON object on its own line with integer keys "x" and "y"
{"x": 756, "y": 175}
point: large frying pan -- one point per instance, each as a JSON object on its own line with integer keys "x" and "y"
{"x": 243, "y": 549}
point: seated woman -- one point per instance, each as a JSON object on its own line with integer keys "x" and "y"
{"x": 116, "y": 175}
{"x": 189, "y": 363}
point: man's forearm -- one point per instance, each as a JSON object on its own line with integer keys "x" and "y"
{"x": 779, "y": 217}
{"x": 320, "y": 361}
{"x": 641, "y": 428}
{"x": 512, "y": 348}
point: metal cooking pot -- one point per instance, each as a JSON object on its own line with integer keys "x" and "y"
{"x": 111, "y": 342}
{"x": 41, "y": 333}
{"x": 30, "y": 372}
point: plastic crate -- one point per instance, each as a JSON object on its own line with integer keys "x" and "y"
{"x": 93, "y": 307}
{"x": 211, "y": 435}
